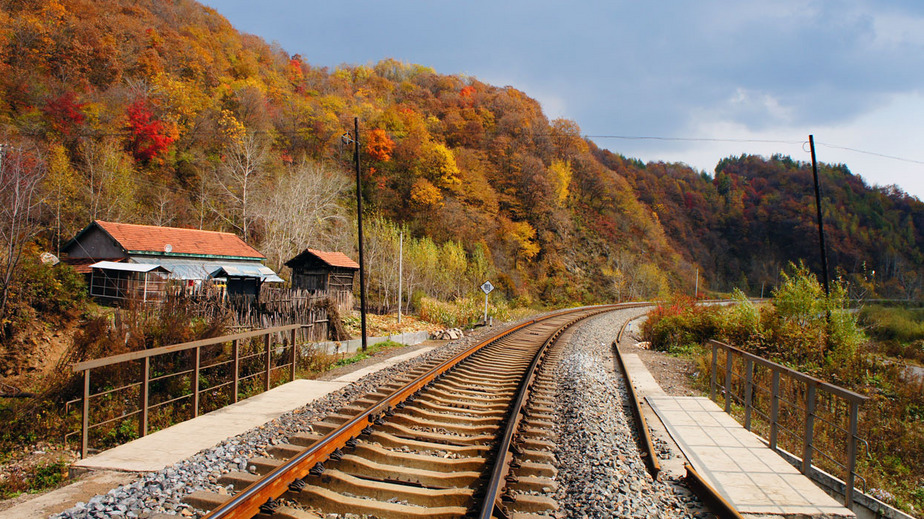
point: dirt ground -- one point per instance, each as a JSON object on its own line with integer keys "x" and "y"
{"x": 675, "y": 375}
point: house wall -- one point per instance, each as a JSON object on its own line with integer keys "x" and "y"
{"x": 334, "y": 279}
{"x": 309, "y": 280}
{"x": 94, "y": 244}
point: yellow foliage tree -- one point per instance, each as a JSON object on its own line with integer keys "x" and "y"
{"x": 425, "y": 194}
{"x": 524, "y": 237}
{"x": 438, "y": 164}
{"x": 61, "y": 186}
{"x": 560, "y": 174}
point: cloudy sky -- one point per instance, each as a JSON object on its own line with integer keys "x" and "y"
{"x": 670, "y": 80}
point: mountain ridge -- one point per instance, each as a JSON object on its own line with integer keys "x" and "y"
{"x": 162, "y": 113}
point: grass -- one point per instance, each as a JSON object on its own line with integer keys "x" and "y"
{"x": 371, "y": 350}
{"x": 43, "y": 476}
{"x": 899, "y": 332}
{"x": 837, "y": 351}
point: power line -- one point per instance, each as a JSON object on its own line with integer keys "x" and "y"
{"x": 758, "y": 141}
{"x": 689, "y": 139}
{"x": 873, "y": 153}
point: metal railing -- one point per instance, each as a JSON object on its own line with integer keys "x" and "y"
{"x": 218, "y": 365}
{"x": 802, "y": 408}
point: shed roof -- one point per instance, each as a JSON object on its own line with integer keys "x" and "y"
{"x": 333, "y": 259}
{"x": 174, "y": 241}
{"x": 262, "y": 272}
{"x": 84, "y": 265}
{"x": 128, "y": 267}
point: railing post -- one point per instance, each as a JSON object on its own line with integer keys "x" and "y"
{"x": 236, "y": 349}
{"x": 294, "y": 356}
{"x": 748, "y": 391}
{"x": 728, "y": 379}
{"x": 852, "y": 452}
{"x": 145, "y": 397}
{"x": 196, "y": 384}
{"x": 774, "y": 408}
{"x": 85, "y": 425}
{"x": 715, "y": 368}
{"x": 809, "y": 428}
{"x": 269, "y": 361}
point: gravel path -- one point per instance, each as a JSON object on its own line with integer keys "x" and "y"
{"x": 600, "y": 471}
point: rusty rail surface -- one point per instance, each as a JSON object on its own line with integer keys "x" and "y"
{"x": 265, "y": 491}
{"x": 713, "y": 499}
{"x": 649, "y": 453}
{"x": 492, "y": 500}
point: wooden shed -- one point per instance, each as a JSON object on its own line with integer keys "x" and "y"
{"x": 112, "y": 281}
{"x": 319, "y": 271}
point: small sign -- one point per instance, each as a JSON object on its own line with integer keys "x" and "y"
{"x": 487, "y": 287}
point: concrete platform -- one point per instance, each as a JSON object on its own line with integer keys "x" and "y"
{"x": 747, "y": 473}
{"x": 163, "y": 448}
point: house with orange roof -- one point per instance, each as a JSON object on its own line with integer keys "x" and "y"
{"x": 118, "y": 256}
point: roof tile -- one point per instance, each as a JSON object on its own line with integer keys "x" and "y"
{"x": 148, "y": 238}
{"x": 335, "y": 259}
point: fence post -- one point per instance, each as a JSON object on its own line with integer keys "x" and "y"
{"x": 809, "y": 428}
{"x": 715, "y": 368}
{"x": 774, "y": 408}
{"x": 748, "y": 389}
{"x": 196, "y": 385}
{"x": 294, "y": 356}
{"x": 852, "y": 452}
{"x": 269, "y": 361}
{"x": 85, "y": 425}
{"x": 728, "y": 379}
{"x": 145, "y": 397}
{"x": 236, "y": 348}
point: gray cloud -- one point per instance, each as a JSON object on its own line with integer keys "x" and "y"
{"x": 632, "y": 68}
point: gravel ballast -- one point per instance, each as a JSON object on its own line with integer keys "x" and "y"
{"x": 600, "y": 472}
{"x": 162, "y": 492}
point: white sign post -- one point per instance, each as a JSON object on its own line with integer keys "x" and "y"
{"x": 487, "y": 287}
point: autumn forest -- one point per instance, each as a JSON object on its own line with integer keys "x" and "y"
{"x": 160, "y": 112}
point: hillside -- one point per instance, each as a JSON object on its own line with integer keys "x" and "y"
{"x": 757, "y": 215}
{"x": 162, "y": 113}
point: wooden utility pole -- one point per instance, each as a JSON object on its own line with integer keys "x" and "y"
{"x": 359, "y": 220}
{"x": 400, "y": 271}
{"x": 821, "y": 223}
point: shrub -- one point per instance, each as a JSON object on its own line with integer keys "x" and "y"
{"x": 459, "y": 313}
{"x": 680, "y": 324}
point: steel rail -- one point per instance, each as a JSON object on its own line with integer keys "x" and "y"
{"x": 247, "y": 503}
{"x": 274, "y": 484}
{"x": 491, "y": 502}
{"x": 651, "y": 456}
{"x": 651, "y": 460}
{"x": 503, "y": 455}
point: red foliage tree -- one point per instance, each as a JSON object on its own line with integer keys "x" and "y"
{"x": 64, "y": 113}
{"x": 148, "y": 138}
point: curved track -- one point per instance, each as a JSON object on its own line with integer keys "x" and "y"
{"x": 464, "y": 437}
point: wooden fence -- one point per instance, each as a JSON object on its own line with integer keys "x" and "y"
{"x": 794, "y": 409}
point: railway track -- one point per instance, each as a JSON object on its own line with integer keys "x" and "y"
{"x": 469, "y": 436}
